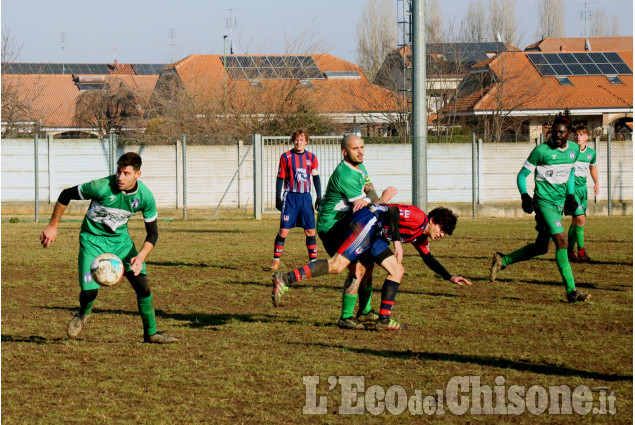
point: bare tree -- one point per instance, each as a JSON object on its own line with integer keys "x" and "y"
{"x": 502, "y": 20}
{"x": 473, "y": 26}
{"x": 119, "y": 109}
{"x": 599, "y": 25}
{"x": 615, "y": 26}
{"x": 434, "y": 22}
{"x": 19, "y": 94}
{"x": 550, "y": 18}
{"x": 376, "y": 35}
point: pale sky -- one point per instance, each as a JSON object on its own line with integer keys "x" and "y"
{"x": 142, "y": 31}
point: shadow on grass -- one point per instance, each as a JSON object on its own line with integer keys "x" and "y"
{"x": 499, "y": 362}
{"x": 32, "y": 339}
{"x": 554, "y": 283}
{"x": 181, "y": 264}
{"x": 169, "y": 230}
{"x": 376, "y": 290}
{"x": 194, "y": 320}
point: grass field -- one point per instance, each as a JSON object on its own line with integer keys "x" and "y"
{"x": 242, "y": 361}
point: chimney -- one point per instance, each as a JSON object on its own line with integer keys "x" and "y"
{"x": 563, "y": 48}
{"x": 116, "y": 64}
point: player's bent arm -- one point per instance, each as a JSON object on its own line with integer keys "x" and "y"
{"x": 49, "y": 234}
{"x": 571, "y": 182}
{"x": 317, "y": 183}
{"x": 594, "y": 175}
{"x": 152, "y": 232}
{"x": 521, "y": 180}
{"x": 279, "y": 183}
{"x": 434, "y": 265}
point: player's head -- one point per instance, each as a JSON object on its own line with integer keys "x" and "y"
{"x": 299, "y": 139}
{"x": 561, "y": 128}
{"x": 445, "y": 219}
{"x": 353, "y": 149}
{"x": 581, "y": 134}
{"x": 128, "y": 170}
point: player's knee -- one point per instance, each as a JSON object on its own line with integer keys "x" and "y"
{"x": 283, "y": 233}
{"x": 140, "y": 284}
{"x": 397, "y": 272}
{"x": 309, "y": 232}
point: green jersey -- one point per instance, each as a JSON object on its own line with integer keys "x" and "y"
{"x": 346, "y": 185}
{"x": 553, "y": 167}
{"x": 586, "y": 158}
{"x": 111, "y": 208}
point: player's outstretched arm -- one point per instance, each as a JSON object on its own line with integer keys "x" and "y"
{"x": 521, "y": 182}
{"x": 594, "y": 175}
{"x": 49, "y": 234}
{"x": 434, "y": 265}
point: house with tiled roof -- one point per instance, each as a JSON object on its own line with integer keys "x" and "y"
{"x": 44, "y": 97}
{"x": 268, "y": 86}
{"x": 581, "y": 44}
{"x": 446, "y": 66}
{"x": 531, "y": 87}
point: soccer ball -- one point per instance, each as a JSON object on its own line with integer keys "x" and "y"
{"x": 106, "y": 269}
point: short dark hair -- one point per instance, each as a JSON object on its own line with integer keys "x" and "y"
{"x": 581, "y": 128}
{"x": 297, "y": 133}
{"x": 445, "y": 218}
{"x": 130, "y": 158}
{"x": 563, "y": 118}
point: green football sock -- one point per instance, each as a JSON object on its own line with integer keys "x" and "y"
{"x": 365, "y": 295}
{"x": 565, "y": 269}
{"x": 86, "y": 300}
{"x": 146, "y": 310}
{"x": 579, "y": 236}
{"x": 525, "y": 253}
{"x": 85, "y": 310}
{"x": 348, "y": 305}
{"x": 572, "y": 235}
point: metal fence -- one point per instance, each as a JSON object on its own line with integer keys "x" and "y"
{"x": 205, "y": 181}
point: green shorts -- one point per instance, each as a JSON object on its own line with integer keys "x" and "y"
{"x": 548, "y": 217}
{"x": 90, "y": 246}
{"x": 581, "y": 196}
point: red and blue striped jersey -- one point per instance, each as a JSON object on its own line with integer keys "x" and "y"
{"x": 412, "y": 223}
{"x": 295, "y": 168}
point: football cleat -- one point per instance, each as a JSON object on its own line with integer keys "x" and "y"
{"x": 497, "y": 265}
{"x": 582, "y": 255}
{"x": 274, "y": 266}
{"x": 575, "y": 296}
{"x": 389, "y": 325}
{"x": 371, "y": 316}
{"x": 76, "y": 325}
{"x": 350, "y": 323}
{"x": 279, "y": 288}
{"x": 572, "y": 256}
{"x": 160, "y": 338}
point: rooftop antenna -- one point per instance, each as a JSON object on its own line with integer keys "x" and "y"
{"x": 172, "y": 44}
{"x": 583, "y": 15}
{"x": 230, "y": 24}
{"x": 114, "y": 53}
{"x": 63, "y": 46}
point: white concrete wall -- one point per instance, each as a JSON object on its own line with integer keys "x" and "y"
{"x": 211, "y": 168}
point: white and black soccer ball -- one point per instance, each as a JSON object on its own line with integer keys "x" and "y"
{"x": 106, "y": 269}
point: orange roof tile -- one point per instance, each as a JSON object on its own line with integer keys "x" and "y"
{"x": 605, "y": 44}
{"x": 52, "y": 98}
{"x": 521, "y": 87}
{"x": 204, "y": 78}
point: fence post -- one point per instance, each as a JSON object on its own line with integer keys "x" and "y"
{"x": 595, "y": 148}
{"x": 608, "y": 174}
{"x": 257, "y": 143}
{"x": 49, "y": 139}
{"x": 240, "y": 145}
{"x": 184, "y": 156}
{"x": 542, "y": 138}
{"x": 479, "y": 184}
{"x": 37, "y": 179}
{"x": 474, "y": 178}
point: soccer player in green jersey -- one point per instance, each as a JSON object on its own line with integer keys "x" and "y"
{"x": 349, "y": 189}
{"x": 553, "y": 164}
{"x": 114, "y": 199}
{"x": 584, "y": 166}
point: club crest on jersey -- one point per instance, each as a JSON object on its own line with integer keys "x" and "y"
{"x": 87, "y": 277}
{"x": 359, "y": 250}
{"x": 571, "y": 155}
{"x": 588, "y": 156}
{"x": 135, "y": 203}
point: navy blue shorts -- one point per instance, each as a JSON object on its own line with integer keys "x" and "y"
{"x": 364, "y": 234}
{"x": 297, "y": 211}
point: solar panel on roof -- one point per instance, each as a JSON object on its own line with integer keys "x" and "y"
{"x": 271, "y": 67}
{"x": 561, "y": 69}
{"x": 613, "y": 57}
{"x": 594, "y": 63}
{"x": 598, "y": 58}
{"x": 622, "y": 69}
{"x": 591, "y": 69}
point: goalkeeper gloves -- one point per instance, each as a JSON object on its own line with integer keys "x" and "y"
{"x": 527, "y": 203}
{"x": 318, "y": 201}
{"x": 279, "y": 204}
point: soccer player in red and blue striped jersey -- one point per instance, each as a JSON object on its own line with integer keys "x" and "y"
{"x": 296, "y": 168}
